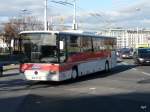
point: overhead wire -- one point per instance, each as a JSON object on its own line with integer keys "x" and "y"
{"x": 96, "y": 15}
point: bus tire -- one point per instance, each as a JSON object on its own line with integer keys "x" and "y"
{"x": 74, "y": 74}
{"x": 107, "y": 69}
{"x": 1, "y": 71}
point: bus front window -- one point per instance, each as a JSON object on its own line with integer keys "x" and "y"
{"x": 40, "y": 47}
{"x": 49, "y": 54}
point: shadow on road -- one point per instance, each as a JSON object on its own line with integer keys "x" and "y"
{"x": 147, "y": 81}
{"x": 7, "y": 69}
{"x": 10, "y": 74}
{"x": 12, "y": 85}
{"x": 130, "y": 102}
{"x": 45, "y": 84}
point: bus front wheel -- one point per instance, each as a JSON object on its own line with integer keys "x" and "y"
{"x": 74, "y": 74}
{"x": 107, "y": 69}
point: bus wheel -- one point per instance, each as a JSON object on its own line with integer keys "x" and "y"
{"x": 74, "y": 74}
{"x": 107, "y": 69}
{"x": 1, "y": 71}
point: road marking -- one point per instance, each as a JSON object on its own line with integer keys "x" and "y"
{"x": 125, "y": 63}
{"x": 143, "y": 107}
{"x": 134, "y": 69}
{"x": 145, "y": 73}
{"x": 128, "y": 64}
{"x": 38, "y": 102}
{"x": 92, "y": 88}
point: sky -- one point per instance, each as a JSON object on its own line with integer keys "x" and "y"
{"x": 92, "y": 14}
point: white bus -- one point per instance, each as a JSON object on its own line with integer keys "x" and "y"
{"x": 62, "y": 55}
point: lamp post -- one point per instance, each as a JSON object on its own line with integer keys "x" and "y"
{"x": 137, "y": 35}
{"x": 74, "y": 17}
{"x": 24, "y": 16}
{"x": 138, "y": 40}
{"x": 45, "y": 15}
{"x": 137, "y": 31}
{"x": 74, "y": 26}
{"x": 24, "y": 11}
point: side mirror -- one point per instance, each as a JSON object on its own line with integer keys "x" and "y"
{"x": 12, "y": 43}
{"x": 61, "y": 45}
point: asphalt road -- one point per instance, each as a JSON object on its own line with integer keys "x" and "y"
{"x": 125, "y": 89}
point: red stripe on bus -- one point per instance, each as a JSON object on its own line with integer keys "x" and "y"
{"x": 46, "y": 67}
{"x": 88, "y": 56}
{"x": 72, "y": 61}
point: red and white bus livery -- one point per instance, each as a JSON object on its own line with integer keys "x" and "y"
{"x": 62, "y": 55}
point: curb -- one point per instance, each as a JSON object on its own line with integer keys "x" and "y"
{"x": 10, "y": 67}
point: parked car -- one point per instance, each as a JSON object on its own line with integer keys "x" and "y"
{"x": 119, "y": 59}
{"x": 126, "y": 53}
{"x": 142, "y": 56}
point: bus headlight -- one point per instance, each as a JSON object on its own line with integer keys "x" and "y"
{"x": 52, "y": 72}
{"x": 141, "y": 59}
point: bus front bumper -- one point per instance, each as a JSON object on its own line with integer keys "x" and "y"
{"x": 41, "y": 76}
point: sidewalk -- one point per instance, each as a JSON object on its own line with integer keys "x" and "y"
{"x": 11, "y": 67}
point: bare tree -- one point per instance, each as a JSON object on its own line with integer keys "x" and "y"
{"x": 10, "y": 31}
{"x": 33, "y": 23}
{"x": 26, "y": 23}
{"x": 18, "y": 24}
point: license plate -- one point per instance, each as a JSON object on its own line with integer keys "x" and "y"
{"x": 36, "y": 78}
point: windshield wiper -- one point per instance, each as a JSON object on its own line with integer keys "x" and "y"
{"x": 49, "y": 59}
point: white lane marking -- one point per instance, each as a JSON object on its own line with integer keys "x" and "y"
{"x": 92, "y": 88}
{"x": 128, "y": 64}
{"x": 38, "y": 102}
{"x": 145, "y": 73}
{"x": 143, "y": 107}
{"x": 125, "y": 63}
{"x": 134, "y": 69}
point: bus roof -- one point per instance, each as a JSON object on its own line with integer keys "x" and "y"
{"x": 145, "y": 45}
{"x": 143, "y": 48}
{"x": 38, "y": 31}
{"x": 72, "y": 32}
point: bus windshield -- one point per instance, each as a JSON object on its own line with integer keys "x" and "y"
{"x": 39, "y": 47}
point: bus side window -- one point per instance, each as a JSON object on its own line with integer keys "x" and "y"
{"x": 98, "y": 44}
{"x": 73, "y": 44}
{"x": 86, "y": 44}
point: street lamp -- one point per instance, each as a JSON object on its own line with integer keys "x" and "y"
{"x": 102, "y": 18}
{"x": 74, "y": 26}
{"x": 24, "y": 13}
{"x": 45, "y": 16}
{"x": 74, "y": 17}
{"x": 138, "y": 9}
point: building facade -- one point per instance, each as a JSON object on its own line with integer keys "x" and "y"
{"x": 2, "y": 41}
{"x": 128, "y": 38}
